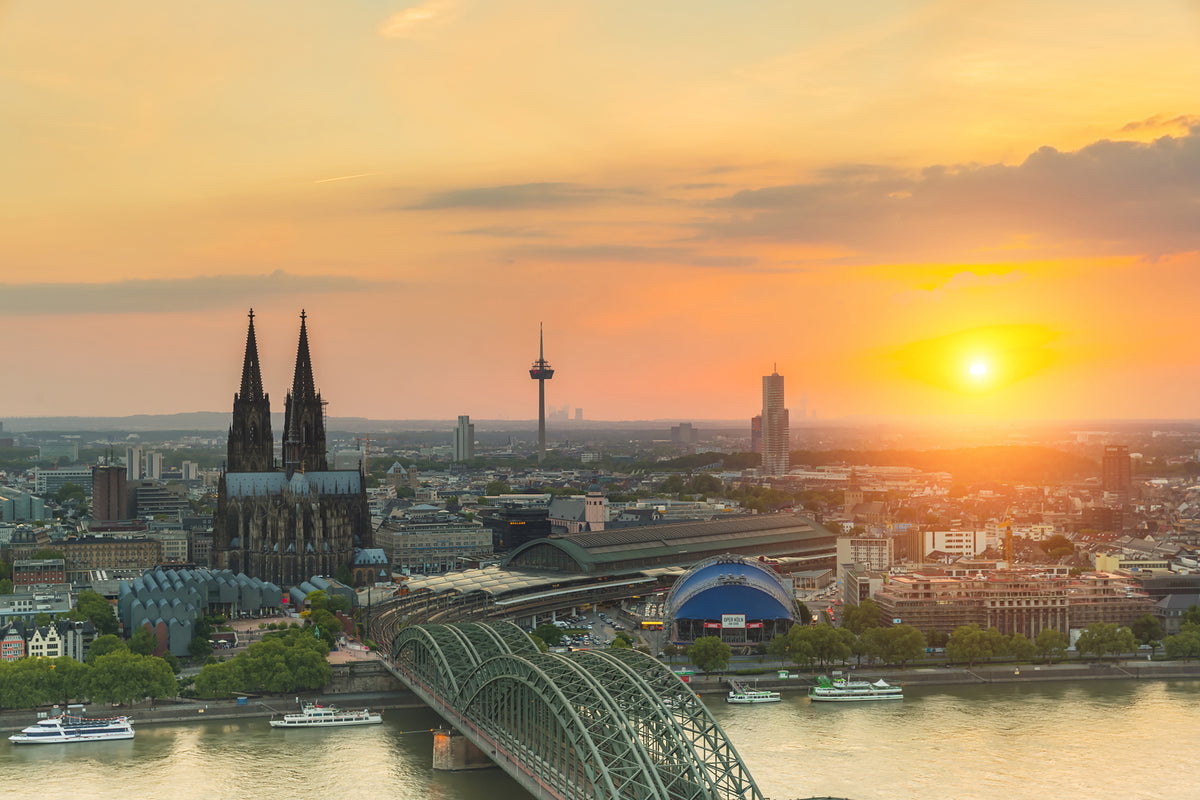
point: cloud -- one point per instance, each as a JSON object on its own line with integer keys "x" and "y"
{"x": 1110, "y": 197}
{"x": 523, "y": 195}
{"x": 1161, "y": 122}
{"x": 169, "y": 294}
{"x": 416, "y": 21}
{"x": 635, "y": 254}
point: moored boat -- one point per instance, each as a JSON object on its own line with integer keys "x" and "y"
{"x": 68, "y": 728}
{"x": 741, "y": 695}
{"x": 841, "y": 690}
{"x": 314, "y": 715}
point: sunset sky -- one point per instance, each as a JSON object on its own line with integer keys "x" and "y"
{"x": 914, "y": 209}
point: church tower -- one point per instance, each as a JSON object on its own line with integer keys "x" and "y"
{"x": 251, "y": 444}
{"x": 304, "y": 416}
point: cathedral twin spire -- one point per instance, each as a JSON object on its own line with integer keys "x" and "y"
{"x": 252, "y": 386}
{"x": 251, "y": 443}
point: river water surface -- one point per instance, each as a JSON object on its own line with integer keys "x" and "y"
{"x": 1098, "y": 739}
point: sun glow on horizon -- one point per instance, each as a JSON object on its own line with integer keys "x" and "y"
{"x": 980, "y": 360}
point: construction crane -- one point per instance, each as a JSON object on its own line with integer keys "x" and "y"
{"x": 364, "y": 444}
{"x": 1006, "y": 524}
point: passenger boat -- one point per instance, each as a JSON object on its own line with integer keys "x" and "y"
{"x": 66, "y": 728}
{"x": 742, "y": 695}
{"x": 314, "y": 715}
{"x": 841, "y": 690}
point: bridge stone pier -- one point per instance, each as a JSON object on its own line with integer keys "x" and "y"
{"x": 453, "y": 752}
{"x": 585, "y": 725}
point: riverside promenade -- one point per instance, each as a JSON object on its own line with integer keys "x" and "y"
{"x": 951, "y": 676}
{"x": 360, "y": 682}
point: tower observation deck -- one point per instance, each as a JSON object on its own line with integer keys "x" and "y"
{"x": 541, "y": 371}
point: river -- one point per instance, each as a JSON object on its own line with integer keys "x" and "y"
{"x": 1096, "y": 739}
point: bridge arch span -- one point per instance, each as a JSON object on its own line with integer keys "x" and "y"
{"x": 585, "y": 725}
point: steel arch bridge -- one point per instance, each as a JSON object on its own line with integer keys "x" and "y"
{"x": 585, "y": 725}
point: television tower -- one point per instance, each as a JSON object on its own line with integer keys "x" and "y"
{"x": 541, "y": 371}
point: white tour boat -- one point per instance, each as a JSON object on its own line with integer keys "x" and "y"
{"x": 741, "y": 695}
{"x": 72, "y": 728}
{"x": 841, "y": 690}
{"x": 314, "y": 715}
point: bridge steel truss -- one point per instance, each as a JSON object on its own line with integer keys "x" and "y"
{"x": 584, "y": 725}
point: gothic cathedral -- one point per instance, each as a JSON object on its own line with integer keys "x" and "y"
{"x": 285, "y": 525}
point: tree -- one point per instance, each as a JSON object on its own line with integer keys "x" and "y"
{"x": 1050, "y": 643}
{"x": 674, "y": 484}
{"x": 344, "y": 575}
{"x": 69, "y": 677}
{"x": 497, "y": 488}
{"x": 1185, "y": 644}
{"x": 621, "y": 642}
{"x": 6, "y": 586}
{"x": 108, "y": 643}
{"x": 1058, "y": 546}
{"x": 823, "y": 641}
{"x": 778, "y": 648}
{"x": 199, "y": 648}
{"x": 970, "y": 643}
{"x": 1021, "y": 648}
{"x": 317, "y": 598}
{"x": 1147, "y": 629}
{"x": 338, "y": 603}
{"x": 706, "y": 484}
{"x": 47, "y": 553}
{"x": 709, "y": 653}
{"x": 143, "y": 642}
{"x": 125, "y": 677}
{"x": 325, "y": 626}
{"x": 94, "y": 607}
{"x": 549, "y": 633}
{"x": 1192, "y": 616}
{"x": 670, "y": 650}
{"x": 903, "y": 643}
{"x": 803, "y": 615}
{"x": 70, "y": 491}
{"x": 857, "y": 618}
{"x": 1103, "y": 638}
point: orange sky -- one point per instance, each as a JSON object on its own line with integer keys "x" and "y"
{"x": 875, "y": 196}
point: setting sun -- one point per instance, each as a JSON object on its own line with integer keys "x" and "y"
{"x": 978, "y": 369}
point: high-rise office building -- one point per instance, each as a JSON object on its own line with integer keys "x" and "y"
{"x": 756, "y": 433}
{"x": 133, "y": 463}
{"x": 1116, "y": 469}
{"x": 464, "y": 439}
{"x": 775, "y": 456}
{"x": 154, "y": 465}
{"x": 110, "y": 495}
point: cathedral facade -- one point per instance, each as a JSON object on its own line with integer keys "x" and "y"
{"x": 285, "y": 523}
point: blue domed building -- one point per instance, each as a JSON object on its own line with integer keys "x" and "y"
{"x": 741, "y": 600}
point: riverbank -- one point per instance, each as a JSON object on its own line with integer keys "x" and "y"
{"x": 952, "y": 676}
{"x": 387, "y": 693}
{"x": 175, "y": 711}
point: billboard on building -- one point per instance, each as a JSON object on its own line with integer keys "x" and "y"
{"x": 733, "y": 620}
